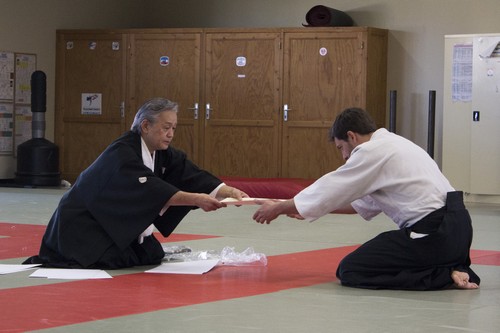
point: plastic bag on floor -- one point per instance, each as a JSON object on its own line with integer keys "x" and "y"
{"x": 176, "y": 249}
{"x": 249, "y": 257}
{"x": 227, "y": 257}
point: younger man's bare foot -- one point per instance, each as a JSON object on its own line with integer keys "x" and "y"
{"x": 461, "y": 280}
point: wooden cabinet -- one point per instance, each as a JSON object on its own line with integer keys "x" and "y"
{"x": 324, "y": 73}
{"x": 90, "y": 90}
{"x": 253, "y": 102}
{"x": 168, "y": 65}
{"x": 242, "y": 128}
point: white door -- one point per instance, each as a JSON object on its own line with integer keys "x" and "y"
{"x": 485, "y": 116}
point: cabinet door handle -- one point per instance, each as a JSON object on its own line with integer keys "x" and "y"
{"x": 195, "y": 110}
{"x": 122, "y": 109}
{"x": 207, "y": 111}
{"x": 285, "y": 112}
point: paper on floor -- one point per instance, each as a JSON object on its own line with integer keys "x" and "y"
{"x": 185, "y": 267}
{"x": 70, "y": 273}
{"x": 6, "y": 269}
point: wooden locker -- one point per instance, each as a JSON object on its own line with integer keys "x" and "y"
{"x": 242, "y": 131}
{"x": 167, "y": 64}
{"x": 326, "y": 71}
{"x": 88, "y": 64}
{"x": 238, "y": 81}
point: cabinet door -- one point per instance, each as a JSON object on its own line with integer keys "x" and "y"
{"x": 90, "y": 94}
{"x": 485, "y": 117}
{"x": 242, "y": 104}
{"x": 457, "y": 111}
{"x": 323, "y": 74}
{"x": 168, "y": 65}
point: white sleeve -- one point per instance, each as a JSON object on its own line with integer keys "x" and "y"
{"x": 366, "y": 207}
{"x": 213, "y": 194}
{"x": 355, "y": 179}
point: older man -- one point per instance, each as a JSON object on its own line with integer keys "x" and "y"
{"x": 106, "y": 219}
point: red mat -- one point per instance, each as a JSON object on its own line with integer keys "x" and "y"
{"x": 485, "y": 257}
{"x": 66, "y": 303}
{"x": 23, "y": 240}
{"x": 60, "y": 304}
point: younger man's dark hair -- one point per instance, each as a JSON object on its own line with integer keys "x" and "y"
{"x": 352, "y": 119}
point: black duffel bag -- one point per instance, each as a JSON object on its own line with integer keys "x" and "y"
{"x": 322, "y": 16}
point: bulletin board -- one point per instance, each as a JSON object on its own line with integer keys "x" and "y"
{"x": 15, "y": 99}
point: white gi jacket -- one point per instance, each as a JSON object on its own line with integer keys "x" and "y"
{"x": 387, "y": 174}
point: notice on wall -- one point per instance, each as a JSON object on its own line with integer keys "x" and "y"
{"x": 6, "y": 128}
{"x": 25, "y": 66}
{"x": 15, "y": 99}
{"x": 461, "y": 78}
{"x": 6, "y": 75}
{"x": 92, "y": 104}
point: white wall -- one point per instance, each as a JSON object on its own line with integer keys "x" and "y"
{"x": 416, "y": 38}
{"x": 29, "y": 26}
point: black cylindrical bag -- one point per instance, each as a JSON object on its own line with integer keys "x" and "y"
{"x": 322, "y": 16}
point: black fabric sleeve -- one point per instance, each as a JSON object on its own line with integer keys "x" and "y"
{"x": 179, "y": 171}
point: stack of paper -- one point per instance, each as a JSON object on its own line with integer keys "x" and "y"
{"x": 70, "y": 274}
{"x": 185, "y": 267}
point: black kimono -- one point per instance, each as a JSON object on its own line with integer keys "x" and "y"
{"x": 98, "y": 221}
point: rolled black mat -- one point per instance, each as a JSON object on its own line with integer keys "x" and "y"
{"x": 322, "y": 16}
